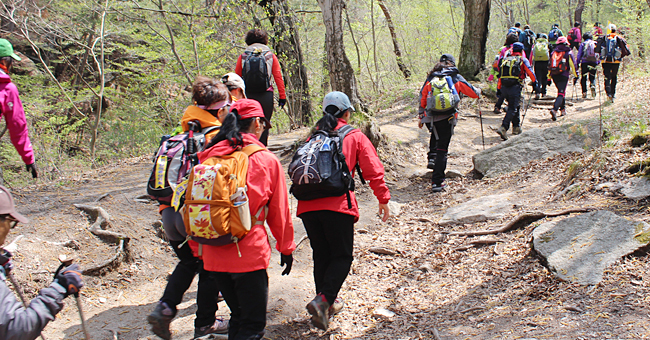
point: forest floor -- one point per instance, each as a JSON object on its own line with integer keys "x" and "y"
{"x": 435, "y": 290}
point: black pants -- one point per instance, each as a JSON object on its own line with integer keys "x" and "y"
{"x": 541, "y": 73}
{"x": 186, "y": 269}
{"x": 610, "y": 71}
{"x": 589, "y": 70}
{"x": 247, "y": 295}
{"x": 331, "y": 235}
{"x": 266, "y": 100}
{"x": 500, "y": 100}
{"x": 441, "y": 133}
{"x": 513, "y": 95}
{"x": 561, "y": 83}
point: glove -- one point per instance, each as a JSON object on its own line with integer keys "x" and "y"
{"x": 479, "y": 91}
{"x": 281, "y": 102}
{"x": 5, "y": 261}
{"x": 288, "y": 260}
{"x": 70, "y": 279}
{"x": 33, "y": 169}
{"x": 491, "y": 77}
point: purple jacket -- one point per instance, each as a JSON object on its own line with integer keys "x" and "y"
{"x": 11, "y": 108}
{"x": 569, "y": 57}
{"x": 581, "y": 54}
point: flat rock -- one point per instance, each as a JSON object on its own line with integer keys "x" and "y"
{"x": 534, "y": 144}
{"x": 453, "y": 174}
{"x": 579, "y": 249}
{"x": 637, "y": 188}
{"x": 479, "y": 209}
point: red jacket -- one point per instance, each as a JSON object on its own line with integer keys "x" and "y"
{"x": 357, "y": 149}
{"x": 266, "y": 186}
{"x": 12, "y": 109}
{"x": 525, "y": 68}
{"x": 275, "y": 70}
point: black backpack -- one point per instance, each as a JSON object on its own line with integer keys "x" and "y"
{"x": 254, "y": 70}
{"x": 318, "y": 169}
{"x": 510, "y": 70}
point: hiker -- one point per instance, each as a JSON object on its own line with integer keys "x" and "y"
{"x": 574, "y": 36}
{"x": 613, "y": 48}
{"x": 561, "y": 66}
{"x": 588, "y": 59}
{"x": 597, "y": 31}
{"x": 211, "y": 103}
{"x": 529, "y": 41}
{"x": 239, "y": 269}
{"x": 438, "y": 101}
{"x": 540, "y": 56}
{"x": 235, "y": 85}
{"x": 515, "y": 30}
{"x": 329, "y": 220}
{"x": 258, "y": 78}
{"x": 513, "y": 68}
{"x": 17, "y": 321}
{"x": 510, "y": 40}
{"x": 11, "y": 108}
{"x": 553, "y": 35}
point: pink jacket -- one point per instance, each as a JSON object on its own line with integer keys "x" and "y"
{"x": 11, "y": 108}
{"x": 266, "y": 186}
{"x": 357, "y": 148}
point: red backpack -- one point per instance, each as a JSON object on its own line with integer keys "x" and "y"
{"x": 558, "y": 63}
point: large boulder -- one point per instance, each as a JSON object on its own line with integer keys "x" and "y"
{"x": 579, "y": 248}
{"x": 637, "y": 188}
{"x": 518, "y": 151}
{"x": 479, "y": 209}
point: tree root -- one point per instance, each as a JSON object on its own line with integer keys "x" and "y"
{"x": 102, "y": 220}
{"x": 69, "y": 244}
{"x": 474, "y": 243}
{"x": 520, "y": 221}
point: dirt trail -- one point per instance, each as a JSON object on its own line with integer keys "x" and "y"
{"x": 120, "y": 300}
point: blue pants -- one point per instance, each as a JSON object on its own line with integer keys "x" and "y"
{"x": 513, "y": 95}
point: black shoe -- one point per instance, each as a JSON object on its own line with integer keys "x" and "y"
{"x": 318, "y": 308}
{"x": 160, "y": 319}
{"x": 438, "y": 187}
{"x": 431, "y": 164}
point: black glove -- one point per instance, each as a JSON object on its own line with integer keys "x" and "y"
{"x": 5, "y": 261}
{"x": 70, "y": 279}
{"x": 281, "y": 102}
{"x": 288, "y": 260}
{"x": 33, "y": 169}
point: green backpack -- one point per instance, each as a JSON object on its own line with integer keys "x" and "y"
{"x": 540, "y": 52}
{"x": 443, "y": 95}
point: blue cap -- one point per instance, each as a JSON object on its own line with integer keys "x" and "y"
{"x": 338, "y": 99}
{"x": 517, "y": 47}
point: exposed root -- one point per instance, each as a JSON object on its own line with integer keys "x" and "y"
{"x": 69, "y": 244}
{"x": 113, "y": 262}
{"x": 520, "y": 221}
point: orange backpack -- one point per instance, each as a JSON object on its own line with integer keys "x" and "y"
{"x": 558, "y": 64}
{"x": 216, "y": 205}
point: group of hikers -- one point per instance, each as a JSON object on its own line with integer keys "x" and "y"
{"x": 547, "y": 59}
{"x": 218, "y": 185}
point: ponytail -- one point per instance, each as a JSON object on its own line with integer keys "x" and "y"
{"x": 330, "y": 118}
{"x": 231, "y": 130}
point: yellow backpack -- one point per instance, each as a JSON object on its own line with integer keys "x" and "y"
{"x": 216, "y": 208}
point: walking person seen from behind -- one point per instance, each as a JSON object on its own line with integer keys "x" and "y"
{"x": 16, "y": 321}
{"x": 257, "y": 65}
{"x": 561, "y": 67}
{"x": 588, "y": 59}
{"x": 438, "y": 101}
{"x": 613, "y": 48}
{"x": 540, "y": 63}
{"x": 329, "y": 208}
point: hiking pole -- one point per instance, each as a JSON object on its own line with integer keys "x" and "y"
{"x": 65, "y": 263}
{"x": 600, "y": 111}
{"x": 293, "y": 123}
{"x": 19, "y": 291}
{"x": 480, "y": 118}
{"x": 530, "y": 96}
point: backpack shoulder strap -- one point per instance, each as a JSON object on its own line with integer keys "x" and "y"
{"x": 210, "y": 129}
{"x": 344, "y": 131}
{"x": 251, "y": 149}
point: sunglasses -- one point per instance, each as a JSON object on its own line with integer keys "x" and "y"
{"x": 10, "y": 219}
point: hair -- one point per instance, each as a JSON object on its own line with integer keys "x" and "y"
{"x": 206, "y": 91}
{"x": 517, "y": 24}
{"x": 231, "y": 130}
{"x": 7, "y": 61}
{"x": 576, "y": 24}
{"x": 257, "y": 35}
{"x": 587, "y": 36}
{"x": 440, "y": 65}
{"x": 511, "y": 39}
{"x": 596, "y": 24}
{"x": 527, "y": 27}
{"x": 329, "y": 121}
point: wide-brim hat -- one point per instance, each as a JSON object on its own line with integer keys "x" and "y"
{"x": 7, "y": 206}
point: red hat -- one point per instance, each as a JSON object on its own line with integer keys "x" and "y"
{"x": 561, "y": 40}
{"x": 249, "y": 108}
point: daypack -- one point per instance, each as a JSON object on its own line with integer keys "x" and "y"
{"x": 558, "y": 63}
{"x": 255, "y": 71}
{"x": 174, "y": 160}
{"x": 540, "y": 52}
{"x": 318, "y": 169}
{"x": 513, "y": 30}
{"x": 217, "y": 210}
{"x": 589, "y": 51}
{"x": 611, "y": 49}
{"x": 529, "y": 41}
{"x": 553, "y": 34}
{"x": 443, "y": 95}
{"x": 510, "y": 70}
{"x": 572, "y": 35}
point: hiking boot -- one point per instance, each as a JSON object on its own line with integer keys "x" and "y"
{"x": 501, "y": 131}
{"x": 516, "y": 130}
{"x": 220, "y": 326}
{"x": 553, "y": 114}
{"x": 336, "y": 307}
{"x": 562, "y": 112}
{"x": 160, "y": 319}
{"x": 537, "y": 96}
{"x": 593, "y": 91}
{"x": 497, "y": 110}
{"x": 438, "y": 187}
{"x": 584, "y": 95}
{"x": 318, "y": 308}
{"x": 431, "y": 164}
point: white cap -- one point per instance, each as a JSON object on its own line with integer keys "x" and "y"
{"x": 611, "y": 27}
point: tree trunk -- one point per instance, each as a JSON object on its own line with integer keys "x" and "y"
{"x": 473, "y": 46}
{"x": 579, "y": 9}
{"x": 286, "y": 44}
{"x": 342, "y": 76}
{"x": 393, "y": 35}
